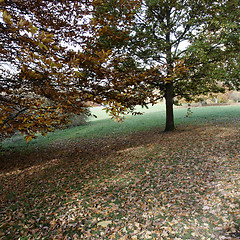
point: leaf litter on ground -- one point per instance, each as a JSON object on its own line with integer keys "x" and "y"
{"x": 147, "y": 185}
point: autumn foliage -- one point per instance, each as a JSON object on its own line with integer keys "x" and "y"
{"x": 56, "y": 56}
{"x": 39, "y": 84}
{"x": 52, "y": 65}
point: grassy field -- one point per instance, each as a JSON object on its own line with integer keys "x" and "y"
{"x": 108, "y": 180}
{"x": 153, "y": 118}
{"x": 101, "y": 126}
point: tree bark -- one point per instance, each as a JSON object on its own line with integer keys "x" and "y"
{"x": 169, "y": 91}
{"x": 169, "y": 108}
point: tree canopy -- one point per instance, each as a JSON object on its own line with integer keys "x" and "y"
{"x": 186, "y": 43}
{"x": 56, "y": 56}
{"x": 215, "y": 51}
{"x": 39, "y": 82}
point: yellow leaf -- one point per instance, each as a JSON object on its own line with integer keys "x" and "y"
{"x": 6, "y": 17}
{"x": 79, "y": 74}
{"x": 45, "y": 47}
{"x": 47, "y": 40}
{"x": 53, "y": 64}
{"x": 21, "y": 23}
{"x": 49, "y": 35}
{"x": 41, "y": 45}
{"x": 33, "y": 29}
{"x": 28, "y": 138}
{"x": 25, "y": 119}
{"x": 104, "y": 223}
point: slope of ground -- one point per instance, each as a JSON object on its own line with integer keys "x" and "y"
{"x": 144, "y": 185}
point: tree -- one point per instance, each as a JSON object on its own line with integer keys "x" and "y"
{"x": 51, "y": 65}
{"x": 215, "y": 51}
{"x": 39, "y": 83}
{"x": 155, "y": 41}
{"x": 116, "y": 79}
{"x": 58, "y": 55}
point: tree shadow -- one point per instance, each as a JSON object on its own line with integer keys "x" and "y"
{"x": 71, "y": 172}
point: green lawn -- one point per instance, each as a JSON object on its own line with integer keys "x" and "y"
{"x": 127, "y": 181}
{"x": 153, "y": 118}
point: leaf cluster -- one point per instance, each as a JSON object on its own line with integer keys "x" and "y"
{"x": 39, "y": 86}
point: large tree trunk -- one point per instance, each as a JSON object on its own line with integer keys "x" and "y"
{"x": 169, "y": 92}
{"x": 169, "y": 108}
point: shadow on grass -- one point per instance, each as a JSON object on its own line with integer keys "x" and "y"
{"x": 147, "y": 184}
{"x": 72, "y": 149}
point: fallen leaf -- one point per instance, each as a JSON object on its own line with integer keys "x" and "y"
{"x": 104, "y": 223}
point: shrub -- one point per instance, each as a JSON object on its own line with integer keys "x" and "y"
{"x": 79, "y": 120}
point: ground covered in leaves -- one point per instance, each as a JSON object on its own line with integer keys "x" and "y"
{"x": 147, "y": 185}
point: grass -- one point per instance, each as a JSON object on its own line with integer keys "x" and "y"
{"x": 128, "y": 181}
{"x": 103, "y": 125}
{"x": 153, "y": 118}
